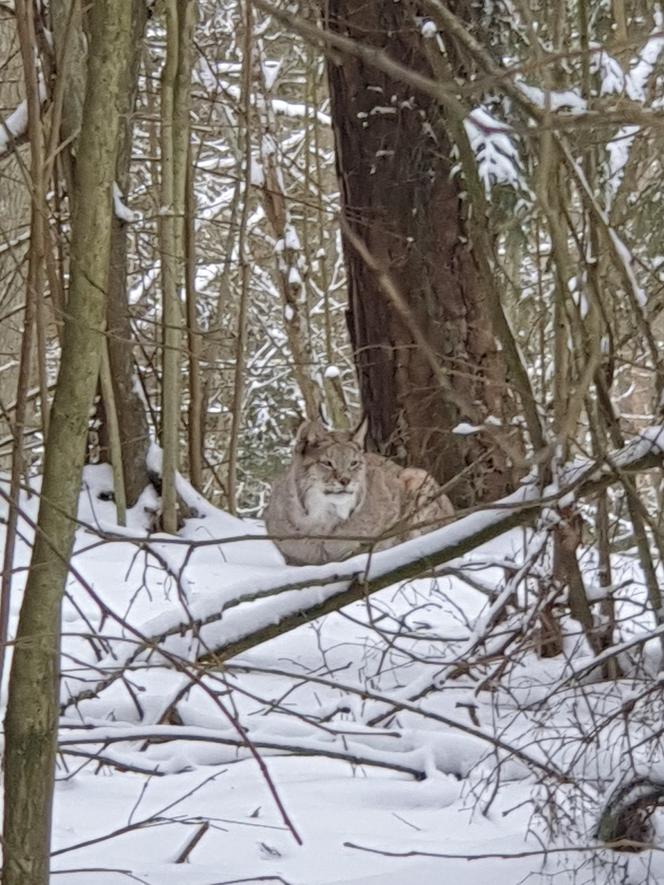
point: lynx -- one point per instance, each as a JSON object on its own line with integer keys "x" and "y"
{"x": 336, "y": 500}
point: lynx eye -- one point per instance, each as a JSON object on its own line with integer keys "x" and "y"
{"x": 327, "y": 463}
{"x": 354, "y": 464}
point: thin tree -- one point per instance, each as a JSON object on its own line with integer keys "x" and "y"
{"x": 175, "y": 111}
{"x": 32, "y": 709}
{"x": 132, "y": 418}
{"x": 25, "y": 28}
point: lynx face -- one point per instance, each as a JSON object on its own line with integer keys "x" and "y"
{"x": 334, "y": 501}
{"x": 331, "y": 473}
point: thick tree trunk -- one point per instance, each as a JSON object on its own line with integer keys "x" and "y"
{"x": 134, "y": 433}
{"x": 401, "y": 199}
{"x": 32, "y": 710}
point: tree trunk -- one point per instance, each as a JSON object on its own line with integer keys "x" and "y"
{"x": 14, "y": 220}
{"x": 133, "y": 422}
{"x": 32, "y": 710}
{"x": 33, "y": 293}
{"x": 175, "y": 127}
{"x": 426, "y": 357}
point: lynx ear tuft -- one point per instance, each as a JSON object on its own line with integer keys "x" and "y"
{"x": 310, "y": 433}
{"x": 360, "y": 435}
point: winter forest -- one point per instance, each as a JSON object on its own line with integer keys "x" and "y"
{"x": 331, "y": 442}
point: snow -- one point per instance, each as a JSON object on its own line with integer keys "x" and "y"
{"x": 247, "y": 840}
{"x": 299, "y": 110}
{"x": 493, "y": 144}
{"x": 294, "y": 278}
{"x": 622, "y": 253}
{"x": 465, "y": 429}
{"x": 270, "y": 71}
{"x": 355, "y": 735}
{"x": 291, "y": 239}
{"x": 16, "y": 124}
{"x": 568, "y": 99}
{"x": 256, "y": 174}
{"x": 612, "y": 77}
{"x": 13, "y": 126}
{"x": 428, "y": 29}
{"x": 634, "y": 84}
{"x": 282, "y": 107}
{"x": 121, "y": 210}
{"x": 644, "y": 65}
{"x": 626, "y": 257}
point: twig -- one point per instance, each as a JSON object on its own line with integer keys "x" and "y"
{"x": 183, "y": 856}
{"x": 624, "y": 844}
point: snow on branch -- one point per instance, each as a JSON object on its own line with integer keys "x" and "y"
{"x": 634, "y": 83}
{"x": 335, "y": 585}
{"x": 492, "y": 143}
{"x": 120, "y": 208}
{"x": 410, "y": 761}
{"x": 550, "y": 100}
{"x": 14, "y": 128}
{"x": 228, "y": 620}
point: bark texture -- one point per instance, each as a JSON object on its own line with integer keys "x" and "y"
{"x": 402, "y": 200}
{"x": 175, "y": 112}
{"x": 70, "y": 43}
{"x": 14, "y": 221}
{"x": 32, "y": 710}
{"x": 132, "y": 419}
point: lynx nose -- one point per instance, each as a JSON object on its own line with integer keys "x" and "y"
{"x": 343, "y": 480}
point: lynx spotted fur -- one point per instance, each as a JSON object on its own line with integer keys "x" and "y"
{"x": 336, "y": 500}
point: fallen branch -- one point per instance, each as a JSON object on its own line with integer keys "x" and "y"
{"x": 183, "y": 856}
{"x": 538, "y": 765}
{"x": 308, "y": 592}
{"x": 425, "y": 554}
{"x": 624, "y": 844}
{"x": 411, "y": 762}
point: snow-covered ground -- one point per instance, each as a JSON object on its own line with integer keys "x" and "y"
{"x": 355, "y": 749}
